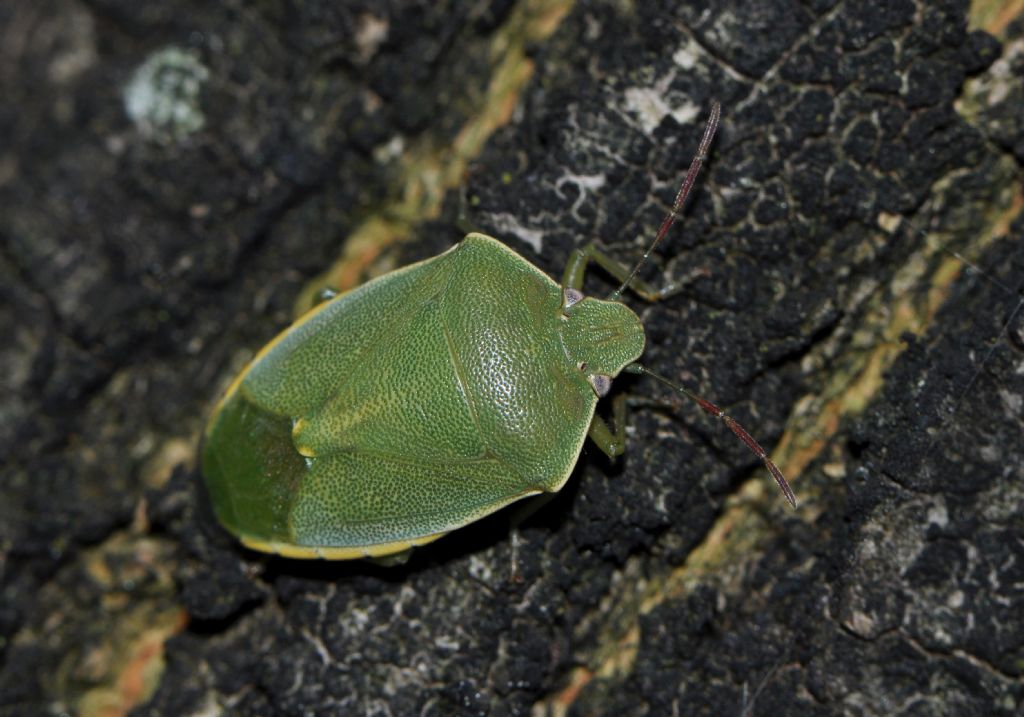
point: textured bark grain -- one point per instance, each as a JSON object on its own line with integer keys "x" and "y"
{"x": 176, "y": 173}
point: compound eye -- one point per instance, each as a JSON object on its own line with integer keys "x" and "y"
{"x": 571, "y": 297}
{"x": 601, "y": 383}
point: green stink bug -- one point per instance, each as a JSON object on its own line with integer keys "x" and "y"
{"x": 427, "y": 398}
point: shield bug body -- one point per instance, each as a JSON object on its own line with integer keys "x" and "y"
{"x": 426, "y": 399}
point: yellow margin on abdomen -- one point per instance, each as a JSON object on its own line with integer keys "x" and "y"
{"x": 378, "y": 550}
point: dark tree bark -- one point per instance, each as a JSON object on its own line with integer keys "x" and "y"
{"x": 176, "y": 174}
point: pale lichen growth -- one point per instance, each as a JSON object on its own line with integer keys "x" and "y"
{"x": 162, "y": 98}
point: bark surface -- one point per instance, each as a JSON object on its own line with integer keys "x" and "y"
{"x": 176, "y": 174}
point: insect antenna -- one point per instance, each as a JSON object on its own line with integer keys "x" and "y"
{"x": 684, "y": 191}
{"x": 729, "y": 421}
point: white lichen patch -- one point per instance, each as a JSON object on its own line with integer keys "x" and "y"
{"x": 163, "y": 97}
{"x": 586, "y": 184}
{"x": 508, "y": 224}
{"x": 651, "y": 105}
{"x": 687, "y": 55}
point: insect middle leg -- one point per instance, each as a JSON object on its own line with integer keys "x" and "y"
{"x": 611, "y": 439}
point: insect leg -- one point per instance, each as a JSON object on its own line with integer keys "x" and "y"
{"x": 610, "y": 439}
{"x": 572, "y": 278}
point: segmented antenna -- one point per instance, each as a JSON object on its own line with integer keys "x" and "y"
{"x": 684, "y": 191}
{"x": 677, "y": 206}
{"x": 729, "y": 421}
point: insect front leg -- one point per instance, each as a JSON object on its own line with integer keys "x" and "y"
{"x": 610, "y": 439}
{"x": 575, "y": 270}
{"x": 573, "y": 278}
